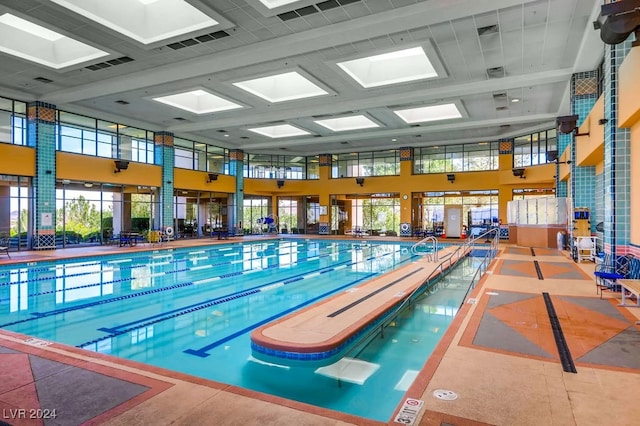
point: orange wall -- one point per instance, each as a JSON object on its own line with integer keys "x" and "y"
{"x": 17, "y": 160}
{"x": 197, "y": 180}
{"x": 95, "y": 169}
{"x": 590, "y": 149}
{"x": 628, "y": 100}
{"x": 634, "y": 190}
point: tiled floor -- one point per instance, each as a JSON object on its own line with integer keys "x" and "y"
{"x": 499, "y": 357}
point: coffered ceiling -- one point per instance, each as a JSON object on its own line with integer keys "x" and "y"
{"x": 503, "y": 65}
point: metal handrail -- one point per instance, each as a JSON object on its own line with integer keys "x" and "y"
{"x": 414, "y": 248}
{"x": 470, "y": 243}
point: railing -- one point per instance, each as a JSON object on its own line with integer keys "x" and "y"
{"x": 438, "y": 271}
{"x": 491, "y": 252}
{"x": 414, "y": 248}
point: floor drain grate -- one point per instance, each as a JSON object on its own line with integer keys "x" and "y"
{"x": 444, "y": 394}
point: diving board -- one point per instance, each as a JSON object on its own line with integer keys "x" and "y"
{"x": 324, "y": 332}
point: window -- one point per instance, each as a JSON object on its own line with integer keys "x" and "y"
{"x": 531, "y": 150}
{"x": 456, "y": 158}
{"x": 373, "y": 163}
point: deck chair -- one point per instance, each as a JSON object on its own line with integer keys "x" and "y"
{"x": 4, "y": 246}
{"x": 613, "y": 268}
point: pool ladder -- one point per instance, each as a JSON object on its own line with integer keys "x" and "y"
{"x": 431, "y": 256}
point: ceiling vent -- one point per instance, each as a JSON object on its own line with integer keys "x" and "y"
{"x": 489, "y": 29}
{"x": 198, "y": 40}
{"x": 179, "y": 118}
{"x": 121, "y": 102}
{"x": 110, "y": 63}
{"x": 500, "y": 96}
{"x": 501, "y": 108}
{"x": 43, "y": 80}
{"x": 495, "y": 72}
{"x": 309, "y": 10}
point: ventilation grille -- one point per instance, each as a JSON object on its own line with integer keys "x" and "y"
{"x": 43, "y": 80}
{"x": 490, "y": 29}
{"x": 110, "y": 63}
{"x": 198, "y": 40}
{"x": 121, "y": 102}
{"x": 495, "y": 72}
{"x": 309, "y": 10}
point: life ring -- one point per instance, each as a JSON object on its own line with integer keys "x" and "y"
{"x": 169, "y": 231}
{"x": 404, "y": 227}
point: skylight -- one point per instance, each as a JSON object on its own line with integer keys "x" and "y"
{"x": 279, "y": 131}
{"x": 281, "y": 87}
{"x": 272, "y": 4}
{"x": 429, "y": 113}
{"x": 198, "y": 101}
{"x": 341, "y": 124}
{"x": 35, "y": 43}
{"x": 399, "y": 66}
{"x": 146, "y": 21}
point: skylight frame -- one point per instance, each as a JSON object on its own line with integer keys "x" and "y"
{"x": 266, "y": 80}
{"x": 172, "y": 99}
{"x": 268, "y": 131}
{"x": 330, "y": 123}
{"x": 434, "y": 64}
{"x": 28, "y": 40}
{"x": 140, "y": 23}
{"x": 406, "y": 114}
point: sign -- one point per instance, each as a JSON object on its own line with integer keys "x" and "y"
{"x": 409, "y": 411}
{"x": 46, "y": 219}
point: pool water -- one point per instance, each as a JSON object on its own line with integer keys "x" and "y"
{"x": 192, "y": 310}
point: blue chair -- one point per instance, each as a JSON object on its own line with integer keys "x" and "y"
{"x": 614, "y": 268}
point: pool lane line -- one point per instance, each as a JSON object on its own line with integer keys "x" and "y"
{"x": 203, "y": 351}
{"x": 37, "y": 315}
{"x": 533, "y": 253}
{"x": 563, "y": 349}
{"x": 173, "y": 271}
{"x": 192, "y": 308}
{"x": 227, "y": 297}
{"x": 538, "y": 270}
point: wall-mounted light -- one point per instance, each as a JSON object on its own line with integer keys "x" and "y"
{"x": 451, "y": 177}
{"x": 212, "y": 177}
{"x": 48, "y": 172}
{"x": 567, "y": 124}
{"x": 169, "y": 182}
{"x": 360, "y": 181}
{"x": 280, "y": 183}
{"x": 519, "y": 173}
{"x": 603, "y": 121}
{"x": 121, "y": 165}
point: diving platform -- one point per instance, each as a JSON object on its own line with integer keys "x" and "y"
{"x": 324, "y": 332}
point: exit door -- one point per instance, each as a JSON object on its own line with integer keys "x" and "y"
{"x": 453, "y": 221}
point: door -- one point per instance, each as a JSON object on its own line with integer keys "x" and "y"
{"x": 453, "y": 221}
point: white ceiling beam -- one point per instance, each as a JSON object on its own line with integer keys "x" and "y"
{"x": 401, "y": 19}
{"x": 448, "y": 92}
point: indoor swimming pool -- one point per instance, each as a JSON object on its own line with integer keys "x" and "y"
{"x": 192, "y": 310}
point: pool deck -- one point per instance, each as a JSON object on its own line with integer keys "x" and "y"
{"x": 499, "y": 357}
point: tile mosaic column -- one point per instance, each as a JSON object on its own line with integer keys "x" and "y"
{"x": 325, "y": 162}
{"x": 562, "y": 188}
{"x": 164, "y": 156}
{"x": 617, "y": 158}
{"x": 236, "y": 168}
{"x": 406, "y": 167}
{"x": 41, "y": 135}
{"x": 584, "y": 94}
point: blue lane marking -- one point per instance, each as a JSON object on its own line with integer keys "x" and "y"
{"x": 192, "y": 308}
{"x": 202, "y": 352}
{"x": 37, "y": 315}
{"x": 216, "y": 300}
{"x": 98, "y": 302}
